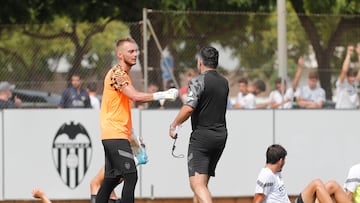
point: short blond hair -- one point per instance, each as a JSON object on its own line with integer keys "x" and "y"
{"x": 120, "y": 42}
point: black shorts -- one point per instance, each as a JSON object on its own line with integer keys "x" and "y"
{"x": 119, "y": 158}
{"x": 299, "y": 199}
{"x": 205, "y": 149}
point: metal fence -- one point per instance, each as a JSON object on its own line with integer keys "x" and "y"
{"x": 43, "y": 57}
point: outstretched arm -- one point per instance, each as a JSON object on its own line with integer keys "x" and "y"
{"x": 346, "y": 63}
{"x": 137, "y": 96}
{"x": 298, "y": 73}
{"x": 358, "y": 55}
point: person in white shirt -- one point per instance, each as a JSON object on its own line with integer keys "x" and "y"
{"x": 284, "y": 100}
{"x": 270, "y": 187}
{"x": 352, "y": 183}
{"x": 244, "y": 99}
{"x": 311, "y": 96}
{"x": 256, "y": 88}
{"x": 347, "y": 84}
{"x": 278, "y": 99}
{"x": 91, "y": 89}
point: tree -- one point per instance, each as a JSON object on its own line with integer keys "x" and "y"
{"x": 29, "y": 52}
{"x": 327, "y": 24}
{"x": 252, "y": 39}
{"x": 80, "y": 38}
{"x": 183, "y": 32}
{"x": 23, "y": 58}
{"x": 324, "y": 39}
{"x": 99, "y": 13}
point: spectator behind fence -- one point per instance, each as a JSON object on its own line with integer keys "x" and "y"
{"x": 91, "y": 90}
{"x": 257, "y": 88}
{"x": 244, "y": 99}
{"x": 284, "y": 100}
{"x": 6, "y": 94}
{"x": 311, "y": 96}
{"x": 348, "y": 82}
{"x": 280, "y": 99}
{"x": 75, "y": 96}
{"x": 271, "y": 188}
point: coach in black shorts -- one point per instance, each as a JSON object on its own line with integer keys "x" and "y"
{"x": 206, "y": 104}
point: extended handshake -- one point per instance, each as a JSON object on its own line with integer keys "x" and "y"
{"x": 170, "y": 94}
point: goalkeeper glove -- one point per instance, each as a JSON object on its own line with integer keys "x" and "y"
{"x": 141, "y": 157}
{"x": 170, "y": 94}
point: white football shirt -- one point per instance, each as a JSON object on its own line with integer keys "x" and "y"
{"x": 346, "y": 95}
{"x": 246, "y": 102}
{"x": 353, "y": 178}
{"x": 272, "y": 186}
{"x": 276, "y": 96}
{"x": 316, "y": 95}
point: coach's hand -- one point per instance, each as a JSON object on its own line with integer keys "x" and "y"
{"x": 172, "y": 132}
{"x": 170, "y": 94}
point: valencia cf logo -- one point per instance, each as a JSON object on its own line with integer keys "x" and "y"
{"x": 72, "y": 151}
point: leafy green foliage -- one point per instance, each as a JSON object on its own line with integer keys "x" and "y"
{"x": 86, "y": 30}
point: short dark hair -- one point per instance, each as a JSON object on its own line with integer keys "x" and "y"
{"x": 243, "y": 80}
{"x": 260, "y": 84}
{"x": 274, "y": 153}
{"x": 76, "y": 75}
{"x": 351, "y": 72}
{"x": 279, "y": 80}
{"x": 209, "y": 56}
{"x": 91, "y": 86}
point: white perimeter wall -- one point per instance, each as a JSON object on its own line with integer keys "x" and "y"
{"x": 1, "y": 156}
{"x": 320, "y": 144}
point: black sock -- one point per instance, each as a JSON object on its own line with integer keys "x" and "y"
{"x": 93, "y": 199}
